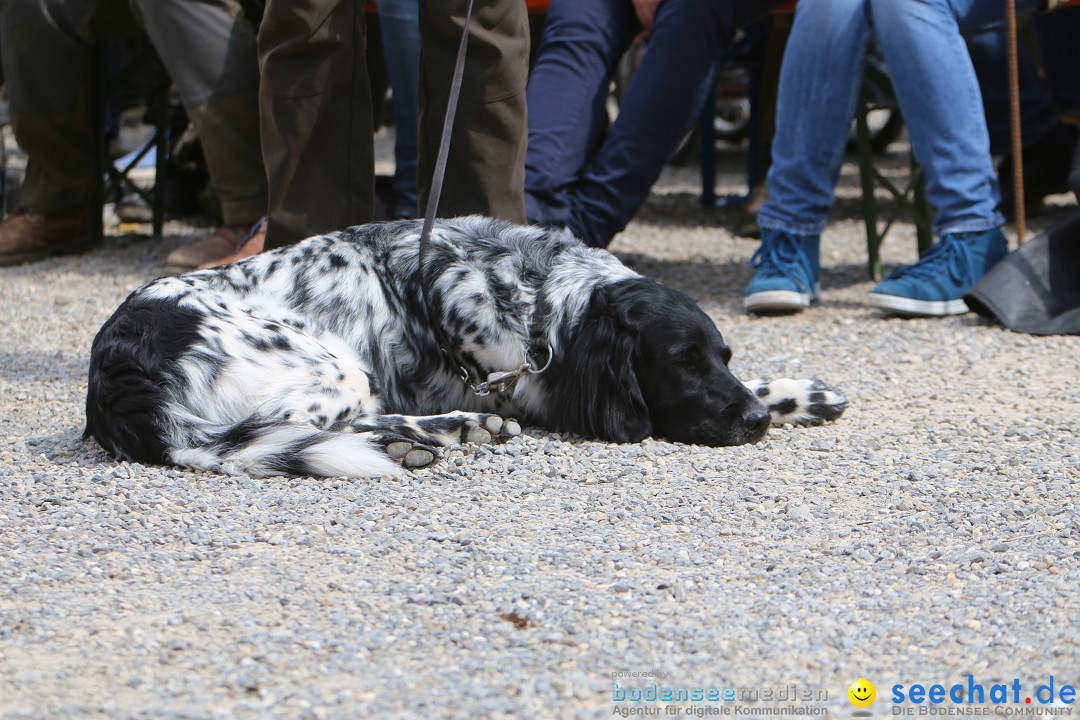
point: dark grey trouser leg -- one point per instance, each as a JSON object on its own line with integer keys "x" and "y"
{"x": 485, "y": 172}
{"x": 208, "y": 47}
{"x": 47, "y": 52}
{"x": 315, "y": 102}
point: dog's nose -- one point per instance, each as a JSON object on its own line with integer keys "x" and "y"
{"x": 756, "y": 421}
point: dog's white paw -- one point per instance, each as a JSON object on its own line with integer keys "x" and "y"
{"x": 799, "y": 402}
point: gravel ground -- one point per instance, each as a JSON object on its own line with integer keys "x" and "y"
{"x": 930, "y": 533}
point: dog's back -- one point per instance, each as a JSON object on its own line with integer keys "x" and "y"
{"x": 157, "y": 393}
{"x": 217, "y": 369}
{"x": 266, "y": 365}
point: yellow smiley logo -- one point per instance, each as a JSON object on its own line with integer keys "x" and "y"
{"x": 862, "y": 693}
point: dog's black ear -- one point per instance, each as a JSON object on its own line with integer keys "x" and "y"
{"x": 595, "y": 390}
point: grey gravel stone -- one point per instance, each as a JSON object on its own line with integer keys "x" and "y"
{"x": 932, "y": 531}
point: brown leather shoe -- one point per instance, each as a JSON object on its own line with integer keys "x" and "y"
{"x": 27, "y": 237}
{"x": 252, "y": 245}
{"x": 221, "y": 243}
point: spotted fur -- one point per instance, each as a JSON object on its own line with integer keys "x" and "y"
{"x": 323, "y": 358}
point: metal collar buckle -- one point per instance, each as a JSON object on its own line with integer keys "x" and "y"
{"x": 503, "y": 381}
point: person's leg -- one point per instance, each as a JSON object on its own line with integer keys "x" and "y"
{"x": 49, "y": 101}
{"x": 938, "y": 92}
{"x": 988, "y": 49}
{"x": 567, "y": 99}
{"x": 399, "y": 22}
{"x": 684, "y": 43}
{"x": 950, "y": 139}
{"x": 486, "y": 167}
{"x": 316, "y": 120}
{"x": 1047, "y": 141}
{"x": 219, "y": 86}
{"x": 1057, "y": 33}
{"x": 943, "y": 110}
{"x": 819, "y": 86}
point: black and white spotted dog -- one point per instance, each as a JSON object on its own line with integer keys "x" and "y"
{"x": 325, "y": 358}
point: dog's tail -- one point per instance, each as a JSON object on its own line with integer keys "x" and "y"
{"x": 262, "y": 447}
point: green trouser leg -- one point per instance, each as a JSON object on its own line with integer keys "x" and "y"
{"x": 218, "y": 85}
{"x": 61, "y": 169}
{"x": 317, "y": 128}
{"x": 485, "y": 171}
{"x": 50, "y": 96}
{"x": 229, "y": 131}
{"x": 49, "y": 99}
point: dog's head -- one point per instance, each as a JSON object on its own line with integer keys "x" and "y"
{"x": 645, "y": 360}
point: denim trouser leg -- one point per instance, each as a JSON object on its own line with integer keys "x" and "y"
{"x": 819, "y": 85}
{"x": 596, "y": 200}
{"x": 1039, "y": 115}
{"x": 1057, "y": 33}
{"x": 662, "y": 103}
{"x": 939, "y": 96}
{"x": 567, "y": 92}
{"x": 399, "y": 21}
{"x": 935, "y": 84}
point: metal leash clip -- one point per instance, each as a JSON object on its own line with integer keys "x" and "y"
{"x": 503, "y": 381}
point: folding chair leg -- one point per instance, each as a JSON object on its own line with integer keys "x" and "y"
{"x": 866, "y": 179}
{"x": 161, "y": 142}
{"x": 101, "y": 149}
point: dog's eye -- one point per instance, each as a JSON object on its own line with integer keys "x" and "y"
{"x": 725, "y": 355}
{"x": 689, "y": 356}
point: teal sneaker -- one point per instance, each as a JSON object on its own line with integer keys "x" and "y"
{"x": 935, "y": 285}
{"x": 787, "y": 273}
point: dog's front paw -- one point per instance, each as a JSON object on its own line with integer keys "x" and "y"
{"x": 826, "y": 402}
{"x": 485, "y": 428}
{"x": 799, "y": 402}
{"x": 500, "y": 428}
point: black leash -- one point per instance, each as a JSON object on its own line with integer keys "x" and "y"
{"x": 436, "y": 190}
{"x": 496, "y": 381}
{"x": 448, "y": 128}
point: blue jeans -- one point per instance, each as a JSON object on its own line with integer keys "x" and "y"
{"x": 399, "y": 21}
{"x": 1057, "y": 32}
{"x": 935, "y": 84}
{"x": 578, "y": 177}
{"x": 1038, "y": 111}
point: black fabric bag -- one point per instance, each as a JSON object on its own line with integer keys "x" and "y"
{"x": 1036, "y": 289}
